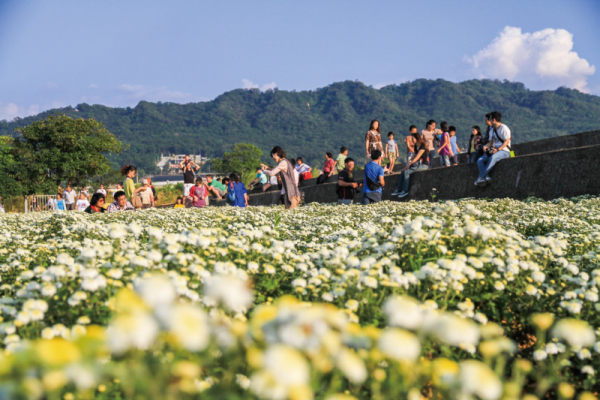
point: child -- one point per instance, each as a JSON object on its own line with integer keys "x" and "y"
{"x": 453, "y": 145}
{"x": 179, "y": 202}
{"x": 391, "y": 149}
{"x": 341, "y": 160}
{"x": 445, "y": 151}
{"x": 260, "y": 180}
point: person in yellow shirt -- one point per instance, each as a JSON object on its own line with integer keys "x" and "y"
{"x": 179, "y": 202}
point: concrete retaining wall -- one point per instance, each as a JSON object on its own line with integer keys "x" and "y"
{"x": 563, "y": 173}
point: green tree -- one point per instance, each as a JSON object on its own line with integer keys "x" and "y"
{"x": 243, "y": 159}
{"x": 9, "y": 186}
{"x": 59, "y": 148}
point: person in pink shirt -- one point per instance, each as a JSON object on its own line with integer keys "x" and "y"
{"x": 328, "y": 168}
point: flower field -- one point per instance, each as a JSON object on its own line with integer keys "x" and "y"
{"x": 456, "y": 300}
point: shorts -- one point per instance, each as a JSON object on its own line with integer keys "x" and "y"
{"x": 186, "y": 188}
{"x": 371, "y": 197}
{"x": 345, "y": 202}
{"x": 392, "y": 157}
{"x": 70, "y": 207}
{"x": 216, "y": 190}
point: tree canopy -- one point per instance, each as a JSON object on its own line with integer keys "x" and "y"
{"x": 54, "y": 150}
{"x": 243, "y": 159}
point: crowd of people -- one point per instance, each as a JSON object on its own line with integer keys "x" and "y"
{"x": 484, "y": 148}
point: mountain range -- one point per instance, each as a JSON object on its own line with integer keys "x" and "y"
{"x": 309, "y": 123}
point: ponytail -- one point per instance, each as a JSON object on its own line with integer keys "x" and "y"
{"x": 127, "y": 169}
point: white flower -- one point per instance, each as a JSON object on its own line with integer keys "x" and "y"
{"x": 299, "y": 282}
{"x": 287, "y": 365}
{"x": 403, "y": 311}
{"x": 156, "y": 291}
{"x": 498, "y": 286}
{"x": 188, "y": 324}
{"x": 136, "y": 330}
{"x": 588, "y": 369}
{"x": 399, "y": 344}
{"x": 456, "y": 331}
{"x": 478, "y": 379}
{"x": 352, "y": 366}
{"x": 539, "y": 355}
{"x": 575, "y": 332}
{"x": 230, "y": 290}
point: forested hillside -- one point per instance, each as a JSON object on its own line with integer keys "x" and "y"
{"x": 308, "y": 123}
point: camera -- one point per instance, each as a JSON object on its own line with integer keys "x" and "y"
{"x": 491, "y": 151}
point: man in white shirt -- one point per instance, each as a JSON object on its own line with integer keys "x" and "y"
{"x": 101, "y": 190}
{"x": 495, "y": 150}
{"x": 70, "y": 198}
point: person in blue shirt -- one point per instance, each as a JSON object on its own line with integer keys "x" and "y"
{"x": 259, "y": 181}
{"x": 59, "y": 203}
{"x": 374, "y": 181}
{"x": 237, "y": 187}
{"x": 453, "y": 145}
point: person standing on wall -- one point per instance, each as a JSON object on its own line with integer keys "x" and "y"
{"x": 289, "y": 178}
{"x": 475, "y": 143}
{"x": 373, "y": 138}
{"x": 429, "y": 135}
{"x": 188, "y": 167}
{"x": 374, "y": 179}
{"x": 129, "y": 172}
{"x": 485, "y": 136}
{"x": 391, "y": 149}
{"x": 495, "y": 150}
{"x": 411, "y": 141}
{"x": 70, "y": 198}
{"x": 453, "y": 146}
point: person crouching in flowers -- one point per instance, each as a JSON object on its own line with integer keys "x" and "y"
{"x": 121, "y": 203}
{"x": 289, "y": 177}
{"x": 179, "y": 202}
{"x": 96, "y": 205}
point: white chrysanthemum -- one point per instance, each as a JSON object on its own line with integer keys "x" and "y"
{"x": 399, "y": 344}
{"x": 230, "y": 290}
{"x": 539, "y": 355}
{"x": 188, "y": 324}
{"x": 403, "y": 311}
{"x": 136, "y": 331}
{"x": 478, "y": 379}
{"x": 287, "y": 365}
{"x": 156, "y": 291}
{"x": 456, "y": 331}
{"x": 575, "y": 332}
{"x": 352, "y": 366}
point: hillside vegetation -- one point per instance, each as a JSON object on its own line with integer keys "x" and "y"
{"x": 308, "y": 123}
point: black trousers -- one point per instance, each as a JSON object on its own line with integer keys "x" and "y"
{"x": 323, "y": 178}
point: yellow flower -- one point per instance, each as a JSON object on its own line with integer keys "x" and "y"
{"x": 543, "y": 320}
{"x": 57, "y": 352}
{"x": 444, "y": 371}
{"x": 186, "y": 369}
{"x": 54, "y": 380}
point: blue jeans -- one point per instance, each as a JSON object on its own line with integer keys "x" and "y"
{"x": 445, "y": 160}
{"x": 473, "y": 157}
{"x": 409, "y": 156}
{"x": 405, "y": 177}
{"x": 431, "y": 155}
{"x": 371, "y": 197}
{"x": 486, "y": 163}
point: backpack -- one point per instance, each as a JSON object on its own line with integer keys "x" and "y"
{"x": 230, "y": 195}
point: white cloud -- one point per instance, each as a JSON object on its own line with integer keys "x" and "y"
{"x": 248, "y": 84}
{"x": 542, "y": 59}
{"x": 9, "y": 111}
{"x": 147, "y": 93}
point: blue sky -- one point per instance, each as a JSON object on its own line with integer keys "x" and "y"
{"x": 117, "y": 53}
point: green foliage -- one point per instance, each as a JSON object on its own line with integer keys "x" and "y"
{"x": 9, "y": 186}
{"x": 60, "y": 148}
{"x": 309, "y": 123}
{"x": 243, "y": 159}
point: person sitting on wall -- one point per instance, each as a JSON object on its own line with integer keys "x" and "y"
{"x": 346, "y": 184}
{"x": 495, "y": 150}
{"x": 259, "y": 181}
{"x": 215, "y": 188}
{"x": 417, "y": 162}
{"x": 304, "y": 171}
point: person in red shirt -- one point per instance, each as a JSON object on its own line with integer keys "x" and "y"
{"x": 328, "y": 168}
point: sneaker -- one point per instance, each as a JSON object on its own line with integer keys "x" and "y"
{"x": 480, "y": 182}
{"x": 403, "y": 194}
{"x": 488, "y": 180}
{"x": 396, "y": 193}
